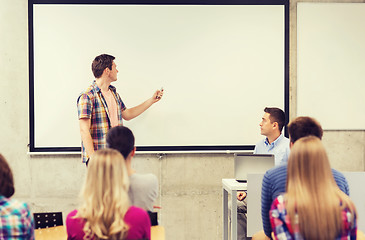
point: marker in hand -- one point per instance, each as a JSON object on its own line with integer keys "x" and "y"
{"x": 159, "y": 95}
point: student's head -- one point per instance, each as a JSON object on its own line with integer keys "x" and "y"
{"x": 302, "y": 127}
{"x": 6, "y": 178}
{"x": 312, "y": 193}
{"x": 273, "y": 121}
{"x": 100, "y": 63}
{"x": 121, "y": 138}
{"x": 105, "y": 195}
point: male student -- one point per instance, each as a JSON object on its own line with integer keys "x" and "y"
{"x": 100, "y": 106}
{"x": 274, "y": 181}
{"x": 271, "y": 126}
{"x": 143, "y": 188}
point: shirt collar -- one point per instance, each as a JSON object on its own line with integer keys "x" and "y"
{"x": 274, "y": 142}
{"x": 97, "y": 89}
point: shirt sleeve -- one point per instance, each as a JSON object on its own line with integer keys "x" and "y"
{"x": 154, "y": 187}
{"x": 341, "y": 182}
{"x": 277, "y": 220}
{"x": 74, "y": 226}
{"x": 347, "y": 188}
{"x": 266, "y": 204}
{"x": 29, "y": 222}
{"x": 147, "y": 226}
{"x": 84, "y": 106}
{"x": 353, "y": 232}
{"x": 152, "y": 192}
{"x": 120, "y": 102}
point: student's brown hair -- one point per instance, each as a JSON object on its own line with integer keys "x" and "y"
{"x": 303, "y": 127}
{"x": 100, "y": 63}
{"x": 6, "y": 178}
{"x": 276, "y": 115}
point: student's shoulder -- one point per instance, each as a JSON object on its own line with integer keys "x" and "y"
{"x": 136, "y": 213}
{"x": 71, "y": 217}
{"x": 341, "y": 181}
{"x": 89, "y": 92}
{"x": 278, "y": 170}
{"x": 339, "y": 178}
{"x": 144, "y": 176}
{"x": 286, "y": 141}
{"x": 12, "y": 206}
{"x": 337, "y": 173}
{"x": 136, "y": 210}
{"x": 275, "y": 176}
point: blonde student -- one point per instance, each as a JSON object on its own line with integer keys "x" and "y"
{"x": 313, "y": 206}
{"x": 105, "y": 212}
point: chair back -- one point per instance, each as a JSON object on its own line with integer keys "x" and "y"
{"x": 48, "y": 219}
{"x": 153, "y": 218}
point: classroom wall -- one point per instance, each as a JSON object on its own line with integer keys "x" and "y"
{"x": 190, "y": 184}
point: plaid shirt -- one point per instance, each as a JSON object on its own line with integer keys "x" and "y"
{"x": 91, "y": 104}
{"x": 282, "y": 228}
{"x": 16, "y": 220}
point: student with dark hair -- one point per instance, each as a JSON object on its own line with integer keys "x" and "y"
{"x": 143, "y": 189}
{"x": 275, "y": 179}
{"x": 274, "y": 142}
{"x": 302, "y": 127}
{"x": 16, "y": 221}
{"x": 101, "y": 108}
{"x": 271, "y": 126}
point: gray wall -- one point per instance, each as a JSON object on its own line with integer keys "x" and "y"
{"x": 190, "y": 184}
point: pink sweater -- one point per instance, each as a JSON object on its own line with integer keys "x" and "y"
{"x": 136, "y": 218}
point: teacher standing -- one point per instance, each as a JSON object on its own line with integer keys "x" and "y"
{"x": 101, "y": 108}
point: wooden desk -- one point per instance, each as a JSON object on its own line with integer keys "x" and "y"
{"x": 59, "y": 233}
{"x": 157, "y": 233}
{"x": 54, "y": 233}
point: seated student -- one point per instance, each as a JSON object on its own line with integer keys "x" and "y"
{"x": 105, "y": 212}
{"x": 274, "y": 181}
{"x": 16, "y": 221}
{"x": 313, "y": 206}
{"x": 143, "y": 188}
{"x": 271, "y": 126}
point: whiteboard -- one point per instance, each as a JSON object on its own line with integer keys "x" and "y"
{"x": 220, "y": 66}
{"x": 331, "y": 60}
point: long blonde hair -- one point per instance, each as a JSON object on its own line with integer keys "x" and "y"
{"x": 104, "y": 196}
{"x": 313, "y": 199}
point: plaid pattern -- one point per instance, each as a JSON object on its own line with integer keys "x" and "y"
{"x": 91, "y": 104}
{"x": 282, "y": 228}
{"x": 16, "y": 220}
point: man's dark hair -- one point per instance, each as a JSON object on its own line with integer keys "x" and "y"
{"x": 100, "y": 63}
{"x": 6, "y": 178}
{"x": 303, "y": 127}
{"x": 120, "y": 138}
{"x": 276, "y": 115}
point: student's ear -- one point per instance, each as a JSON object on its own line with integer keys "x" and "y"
{"x": 291, "y": 144}
{"x": 133, "y": 152}
{"x": 275, "y": 125}
{"x": 106, "y": 71}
